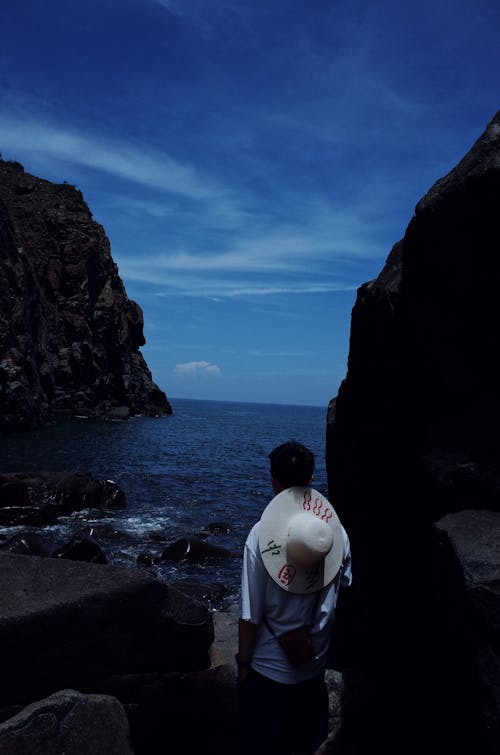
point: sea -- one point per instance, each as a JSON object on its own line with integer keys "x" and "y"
{"x": 206, "y": 463}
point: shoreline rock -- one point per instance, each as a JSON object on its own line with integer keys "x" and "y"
{"x": 70, "y": 337}
{"x": 40, "y": 498}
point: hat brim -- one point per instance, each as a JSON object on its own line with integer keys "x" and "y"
{"x": 273, "y": 535}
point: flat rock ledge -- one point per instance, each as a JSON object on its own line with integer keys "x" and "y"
{"x": 105, "y": 660}
{"x": 67, "y": 625}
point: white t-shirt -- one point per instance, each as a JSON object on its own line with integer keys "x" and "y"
{"x": 262, "y": 597}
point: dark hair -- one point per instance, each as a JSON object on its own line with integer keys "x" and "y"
{"x": 292, "y": 464}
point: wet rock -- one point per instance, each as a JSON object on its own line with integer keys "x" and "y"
{"x": 148, "y": 559}
{"x": 39, "y": 498}
{"x": 29, "y": 516}
{"x": 28, "y": 544}
{"x": 192, "y": 549}
{"x": 118, "y": 413}
{"x": 202, "y": 591}
{"x": 80, "y": 488}
{"x": 82, "y": 547}
{"x": 214, "y": 528}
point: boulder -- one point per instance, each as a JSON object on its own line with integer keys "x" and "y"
{"x": 68, "y": 723}
{"x": 201, "y": 591}
{"x": 217, "y": 528}
{"x": 67, "y": 624}
{"x": 28, "y": 544}
{"x": 193, "y": 549}
{"x": 82, "y": 547}
{"x": 147, "y": 559}
{"x": 39, "y": 498}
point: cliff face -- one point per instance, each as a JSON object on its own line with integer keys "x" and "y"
{"x": 414, "y": 435}
{"x": 423, "y": 372}
{"x": 69, "y": 335}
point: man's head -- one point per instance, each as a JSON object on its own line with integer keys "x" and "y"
{"x": 291, "y": 464}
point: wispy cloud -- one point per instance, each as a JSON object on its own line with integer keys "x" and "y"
{"x": 196, "y": 368}
{"x": 152, "y": 168}
{"x": 259, "y": 253}
{"x": 277, "y": 353}
{"x": 320, "y": 253}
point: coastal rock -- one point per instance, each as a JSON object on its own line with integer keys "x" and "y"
{"x": 201, "y": 591}
{"x": 192, "y": 549}
{"x": 82, "y": 547}
{"x": 39, "y": 498}
{"x": 27, "y": 544}
{"x": 412, "y": 436}
{"x": 68, "y": 723}
{"x": 147, "y": 559}
{"x": 70, "y": 337}
{"x": 217, "y": 528}
{"x": 68, "y": 624}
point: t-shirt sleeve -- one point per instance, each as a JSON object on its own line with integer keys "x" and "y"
{"x": 253, "y": 580}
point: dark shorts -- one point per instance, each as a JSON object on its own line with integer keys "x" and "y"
{"x": 282, "y": 718}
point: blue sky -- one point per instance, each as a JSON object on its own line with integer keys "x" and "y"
{"x": 252, "y": 162}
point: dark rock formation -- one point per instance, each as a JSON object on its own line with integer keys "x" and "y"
{"x": 38, "y": 499}
{"x": 202, "y": 591}
{"x": 67, "y": 723}
{"x": 82, "y": 547}
{"x": 25, "y": 544}
{"x": 192, "y": 549}
{"x": 66, "y": 624}
{"x": 69, "y": 335}
{"x": 194, "y": 712}
{"x": 112, "y": 632}
{"x": 475, "y": 538}
{"x": 412, "y": 435}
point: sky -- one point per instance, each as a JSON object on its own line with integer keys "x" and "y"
{"x": 252, "y": 161}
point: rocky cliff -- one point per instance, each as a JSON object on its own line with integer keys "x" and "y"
{"x": 412, "y": 436}
{"x": 69, "y": 335}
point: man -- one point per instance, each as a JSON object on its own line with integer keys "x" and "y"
{"x": 295, "y": 561}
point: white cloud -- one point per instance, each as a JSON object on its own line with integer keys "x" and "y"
{"x": 321, "y": 234}
{"x": 197, "y": 368}
{"x": 321, "y": 252}
{"x": 226, "y": 242}
{"x": 152, "y": 168}
{"x": 218, "y": 290}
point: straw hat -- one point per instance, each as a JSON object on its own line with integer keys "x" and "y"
{"x": 301, "y": 540}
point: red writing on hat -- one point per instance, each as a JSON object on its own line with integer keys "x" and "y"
{"x": 286, "y": 574}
